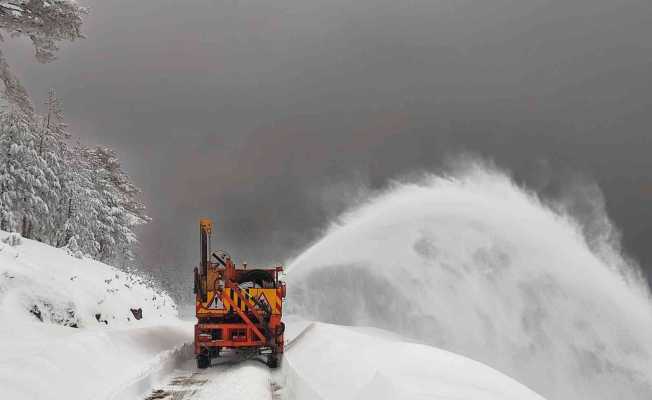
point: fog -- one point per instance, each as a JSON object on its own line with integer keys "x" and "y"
{"x": 273, "y": 117}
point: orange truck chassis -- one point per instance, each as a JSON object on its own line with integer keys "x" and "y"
{"x": 237, "y": 308}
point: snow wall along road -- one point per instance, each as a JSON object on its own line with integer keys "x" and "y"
{"x": 476, "y": 265}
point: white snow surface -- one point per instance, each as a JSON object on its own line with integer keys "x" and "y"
{"x": 124, "y": 358}
{"x": 331, "y": 362}
{"x": 246, "y": 380}
{"x": 51, "y": 359}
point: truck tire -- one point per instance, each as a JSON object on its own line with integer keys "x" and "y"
{"x": 280, "y": 329}
{"x": 203, "y": 361}
{"x": 272, "y": 361}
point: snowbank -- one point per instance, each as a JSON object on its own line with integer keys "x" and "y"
{"x": 67, "y": 329}
{"x": 476, "y": 265}
{"x": 332, "y": 362}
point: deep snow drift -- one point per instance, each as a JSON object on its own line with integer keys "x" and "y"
{"x": 66, "y": 329}
{"x": 475, "y": 265}
{"x": 336, "y": 362}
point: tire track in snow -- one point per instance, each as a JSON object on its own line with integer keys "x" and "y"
{"x": 225, "y": 379}
{"x": 180, "y": 387}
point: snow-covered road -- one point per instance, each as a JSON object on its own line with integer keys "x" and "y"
{"x": 228, "y": 380}
{"x": 67, "y": 331}
{"x": 327, "y": 362}
{"x": 246, "y": 380}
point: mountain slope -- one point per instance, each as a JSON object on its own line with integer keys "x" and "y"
{"x": 67, "y": 329}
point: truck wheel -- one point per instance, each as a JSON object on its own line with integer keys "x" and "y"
{"x": 272, "y": 361}
{"x": 214, "y": 352}
{"x": 203, "y": 361}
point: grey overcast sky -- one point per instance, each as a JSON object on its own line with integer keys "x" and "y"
{"x": 267, "y": 115}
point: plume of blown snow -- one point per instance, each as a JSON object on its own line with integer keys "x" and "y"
{"x": 475, "y": 264}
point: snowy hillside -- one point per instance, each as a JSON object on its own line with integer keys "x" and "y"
{"x": 67, "y": 329}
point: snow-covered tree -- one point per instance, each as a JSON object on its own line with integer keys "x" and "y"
{"x": 79, "y": 209}
{"x": 14, "y": 93}
{"x": 45, "y": 23}
{"x": 118, "y": 209}
{"x": 51, "y": 148}
{"x": 32, "y": 170}
{"x": 53, "y": 128}
{"x": 53, "y": 190}
{"x": 63, "y": 193}
{"x": 24, "y": 177}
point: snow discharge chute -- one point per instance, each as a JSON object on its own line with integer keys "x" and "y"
{"x": 478, "y": 266}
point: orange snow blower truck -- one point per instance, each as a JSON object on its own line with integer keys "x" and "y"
{"x": 238, "y": 309}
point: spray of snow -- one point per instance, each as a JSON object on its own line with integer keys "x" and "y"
{"x": 474, "y": 264}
